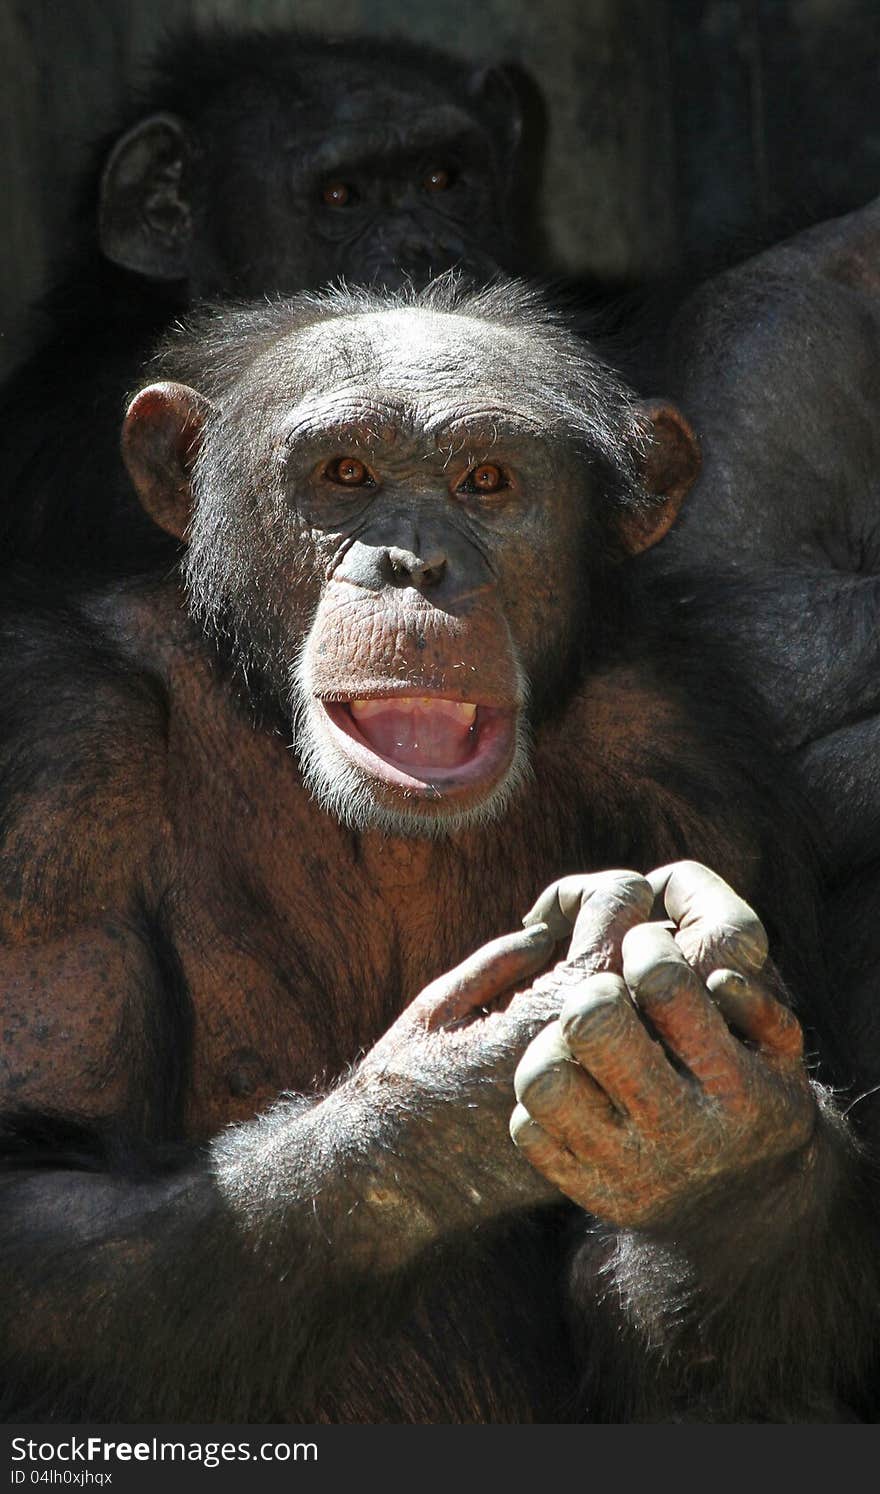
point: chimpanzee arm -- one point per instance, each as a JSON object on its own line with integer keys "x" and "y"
{"x": 760, "y": 1301}
{"x": 739, "y": 1263}
{"x": 225, "y": 1284}
{"x": 759, "y": 611}
{"x": 839, "y": 775}
{"x": 232, "y": 1282}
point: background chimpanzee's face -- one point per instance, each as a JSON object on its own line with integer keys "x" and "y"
{"x": 311, "y": 167}
{"x": 399, "y": 512}
{"x": 376, "y": 185}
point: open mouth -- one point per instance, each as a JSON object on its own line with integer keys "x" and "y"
{"x": 425, "y": 743}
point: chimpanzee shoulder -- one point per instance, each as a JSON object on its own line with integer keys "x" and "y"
{"x": 80, "y": 773}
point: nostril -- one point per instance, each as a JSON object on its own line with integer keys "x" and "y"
{"x": 417, "y": 570}
{"x": 432, "y": 566}
{"x": 430, "y": 569}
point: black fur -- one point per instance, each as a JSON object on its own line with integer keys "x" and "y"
{"x": 245, "y": 99}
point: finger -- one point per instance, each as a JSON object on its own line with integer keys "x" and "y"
{"x": 716, "y": 928}
{"x": 549, "y": 1158}
{"x": 601, "y": 1029}
{"x": 594, "y": 912}
{"x": 557, "y": 1092}
{"x": 748, "y": 1007}
{"x": 494, "y": 970}
{"x": 673, "y": 997}
{"x": 587, "y": 1183}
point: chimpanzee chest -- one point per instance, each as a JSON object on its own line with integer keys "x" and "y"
{"x": 273, "y": 1011}
{"x": 297, "y": 959}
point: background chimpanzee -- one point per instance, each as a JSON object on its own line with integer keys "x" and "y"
{"x": 251, "y": 811}
{"x": 778, "y": 364}
{"x": 256, "y": 162}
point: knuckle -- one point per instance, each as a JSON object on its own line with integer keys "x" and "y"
{"x": 590, "y": 903}
{"x": 684, "y": 884}
{"x": 660, "y": 980}
{"x": 541, "y": 1070}
{"x": 596, "y": 1015}
{"x": 646, "y": 944}
{"x": 540, "y": 1089}
{"x": 574, "y": 894}
{"x": 620, "y": 898}
{"x": 629, "y": 887}
{"x": 744, "y": 943}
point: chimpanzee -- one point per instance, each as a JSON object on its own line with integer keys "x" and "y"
{"x": 251, "y": 809}
{"x": 778, "y": 364}
{"x": 255, "y": 163}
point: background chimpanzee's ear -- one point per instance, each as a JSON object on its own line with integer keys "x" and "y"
{"x": 161, "y": 437}
{"x": 514, "y": 110}
{"x": 668, "y": 468}
{"x": 498, "y": 93}
{"x": 144, "y": 218}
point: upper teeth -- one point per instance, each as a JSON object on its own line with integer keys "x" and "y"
{"x": 459, "y": 710}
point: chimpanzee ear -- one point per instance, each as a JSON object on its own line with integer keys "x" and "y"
{"x": 144, "y": 217}
{"x": 668, "y": 468}
{"x": 497, "y": 92}
{"x": 161, "y": 436}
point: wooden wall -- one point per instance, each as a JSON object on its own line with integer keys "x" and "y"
{"x": 674, "y": 125}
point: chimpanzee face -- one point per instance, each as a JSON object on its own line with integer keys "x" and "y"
{"x": 422, "y": 541}
{"x": 316, "y": 167}
{"x": 393, "y": 521}
{"x": 372, "y": 197}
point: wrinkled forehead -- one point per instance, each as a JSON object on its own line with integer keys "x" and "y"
{"x": 327, "y": 111}
{"x": 355, "y": 119}
{"x": 428, "y": 363}
{"x": 360, "y": 133}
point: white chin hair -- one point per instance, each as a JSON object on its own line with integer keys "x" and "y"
{"x": 350, "y": 796}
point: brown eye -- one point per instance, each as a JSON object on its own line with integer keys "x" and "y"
{"x": 437, "y": 180}
{"x": 485, "y": 479}
{"x": 336, "y": 194}
{"x": 349, "y": 472}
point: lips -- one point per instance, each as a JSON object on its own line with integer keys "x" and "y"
{"x": 424, "y": 743}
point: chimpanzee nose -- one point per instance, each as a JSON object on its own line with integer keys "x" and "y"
{"x": 408, "y": 569}
{"x": 422, "y": 259}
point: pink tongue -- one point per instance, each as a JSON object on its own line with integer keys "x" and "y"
{"x": 417, "y": 736}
